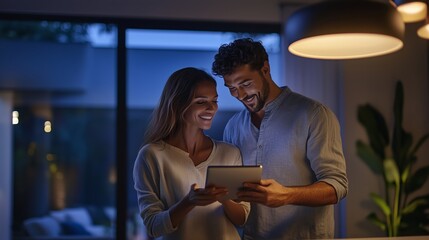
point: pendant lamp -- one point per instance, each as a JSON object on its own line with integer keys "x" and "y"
{"x": 414, "y": 11}
{"x": 423, "y": 32}
{"x": 345, "y": 29}
{"x": 411, "y": 10}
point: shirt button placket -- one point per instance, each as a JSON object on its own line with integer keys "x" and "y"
{"x": 259, "y": 145}
{"x": 259, "y": 154}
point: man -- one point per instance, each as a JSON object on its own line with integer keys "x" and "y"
{"x": 296, "y": 140}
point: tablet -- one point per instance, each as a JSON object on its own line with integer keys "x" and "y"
{"x": 232, "y": 177}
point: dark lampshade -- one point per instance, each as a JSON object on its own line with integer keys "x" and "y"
{"x": 345, "y": 29}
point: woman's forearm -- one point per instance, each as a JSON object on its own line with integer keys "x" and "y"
{"x": 235, "y": 212}
{"x": 179, "y": 210}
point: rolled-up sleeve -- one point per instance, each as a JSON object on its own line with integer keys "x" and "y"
{"x": 325, "y": 152}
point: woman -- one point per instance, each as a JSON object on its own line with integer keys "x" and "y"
{"x": 170, "y": 170}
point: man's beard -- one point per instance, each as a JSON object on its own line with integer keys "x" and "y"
{"x": 260, "y": 98}
{"x": 259, "y": 104}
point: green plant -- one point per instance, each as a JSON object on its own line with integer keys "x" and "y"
{"x": 394, "y": 161}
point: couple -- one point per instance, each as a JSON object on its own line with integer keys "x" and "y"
{"x": 296, "y": 139}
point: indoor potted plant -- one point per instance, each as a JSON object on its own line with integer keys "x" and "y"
{"x": 394, "y": 160}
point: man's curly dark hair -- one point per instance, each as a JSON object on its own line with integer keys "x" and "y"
{"x": 238, "y": 53}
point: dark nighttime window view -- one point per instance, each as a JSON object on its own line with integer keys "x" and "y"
{"x": 62, "y": 80}
{"x": 63, "y": 146}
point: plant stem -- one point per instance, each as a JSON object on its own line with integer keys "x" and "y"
{"x": 389, "y": 228}
{"x": 395, "y": 216}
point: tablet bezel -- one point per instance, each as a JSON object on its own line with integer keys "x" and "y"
{"x": 232, "y": 177}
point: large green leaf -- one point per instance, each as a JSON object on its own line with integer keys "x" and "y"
{"x": 417, "y": 180}
{"x": 401, "y": 140}
{"x": 415, "y": 222}
{"x": 372, "y": 160}
{"x": 419, "y": 143}
{"x": 381, "y": 203}
{"x": 405, "y": 174}
{"x": 416, "y": 229}
{"x": 375, "y": 220}
{"x": 398, "y": 105}
{"x": 398, "y": 114}
{"x": 391, "y": 171}
{"x": 398, "y": 132}
{"x": 401, "y": 151}
{"x": 425, "y": 198}
{"x": 413, "y": 205}
{"x": 375, "y": 127}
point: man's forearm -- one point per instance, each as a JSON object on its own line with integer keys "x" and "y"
{"x": 316, "y": 194}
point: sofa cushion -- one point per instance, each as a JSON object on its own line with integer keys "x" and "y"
{"x": 98, "y": 216}
{"x": 42, "y": 226}
{"x": 111, "y": 213}
{"x": 73, "y": 228}
{"x": 79, "y": 215}
{"x": 98, "y": 230}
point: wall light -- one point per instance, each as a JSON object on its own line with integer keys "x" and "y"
{"x": 345, "y": 29}
{"x": 414, "y": 11}
{"x": 15, "y": 117}
{"x": 48, "y": 127}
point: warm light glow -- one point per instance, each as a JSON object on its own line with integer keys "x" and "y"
{"x": 50, "y": 157}
{"x": 48, "y": 126}
{"x": 15, "y": 117}
{"x": 423, "y": 32}
{"x": 58, "y": 190}
{"x": 32, "y": 148}
{"x": 53, "y": 168}
{"x": 345, "y": 46}
{"x": 112, "y": 175}
{"x": 413, "y": 12}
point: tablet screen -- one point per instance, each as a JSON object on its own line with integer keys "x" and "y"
{"x": 232, "y": 177}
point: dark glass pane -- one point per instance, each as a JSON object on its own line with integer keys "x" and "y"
{"x": 152, "y": 58}
{"x": 63, "y": 88}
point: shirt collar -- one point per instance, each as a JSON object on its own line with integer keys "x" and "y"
{"x": 276, "y": 102}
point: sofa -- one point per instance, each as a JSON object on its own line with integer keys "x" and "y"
{"x": 72, "y": 223}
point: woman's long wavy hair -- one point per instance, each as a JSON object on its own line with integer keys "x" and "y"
{"x": 175, "y": 99}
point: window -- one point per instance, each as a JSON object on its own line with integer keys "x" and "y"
{"x": 64, "y": 105}
{"x": 60, "y": 80}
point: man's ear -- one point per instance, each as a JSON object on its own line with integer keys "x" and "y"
{"x": 266, "y": 68}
